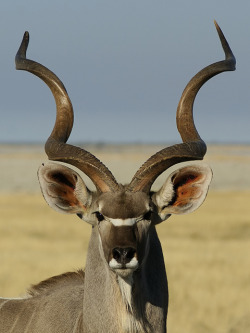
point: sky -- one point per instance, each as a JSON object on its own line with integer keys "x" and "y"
{"x": 125, "y": 64}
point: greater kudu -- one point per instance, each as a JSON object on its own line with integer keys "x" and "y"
{"x": 124, "y": 285}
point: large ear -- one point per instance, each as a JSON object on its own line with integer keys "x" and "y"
{"x": 184, "y": 190}
{"x": 64, "y": 190}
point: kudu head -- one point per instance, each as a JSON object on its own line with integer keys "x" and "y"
{"x": 124, "y": 214}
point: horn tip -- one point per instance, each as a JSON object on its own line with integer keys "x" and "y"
{"x": 26, "y": 35}
{"x": 216, "y": 24}
{"x": 220, "y": 33}
{"x": 228, "y": 52}
{"x": 21, "y": 53}
{"x": 25, "y": 40}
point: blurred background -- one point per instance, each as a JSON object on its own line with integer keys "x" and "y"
{"x": 125, "y": 65}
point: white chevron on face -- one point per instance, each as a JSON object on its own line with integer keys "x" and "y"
{"x": 123, "y": 222}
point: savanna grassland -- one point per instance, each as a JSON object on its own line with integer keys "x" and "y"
{"x": 207, "y": 253}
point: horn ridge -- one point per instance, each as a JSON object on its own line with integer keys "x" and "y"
{"x": 100, "y": 175}
{"x": 164, "y": 159}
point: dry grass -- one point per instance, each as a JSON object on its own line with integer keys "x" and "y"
{"x": 206, "y": 254}
{"x": 208, "y": 263}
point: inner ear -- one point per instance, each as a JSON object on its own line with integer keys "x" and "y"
{"x": 62, "y": 186}
{"x": 68, "y": 180}
{"x": 186, "y": 187}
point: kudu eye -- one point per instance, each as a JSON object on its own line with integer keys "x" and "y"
{"x": 147, "y": 216}
{"x": 99, "y": 216}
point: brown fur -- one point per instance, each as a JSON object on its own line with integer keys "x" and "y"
{"x": 124, "y": 204}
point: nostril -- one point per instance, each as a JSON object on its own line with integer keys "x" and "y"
{"x": 130, "y": 253}
{"x": 117, "y": 253}
{"x": 123, "y": 255}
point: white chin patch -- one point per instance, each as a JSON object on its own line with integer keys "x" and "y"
{"x": 132, "y": 265}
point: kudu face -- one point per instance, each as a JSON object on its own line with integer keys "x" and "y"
{"x": 123, "y": 218}
{"x": 123, "y": 230}
{"x": 124, "y": 215}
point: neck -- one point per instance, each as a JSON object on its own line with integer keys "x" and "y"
{"x": 126, "y": 285}
{"x": 115, "y": 304}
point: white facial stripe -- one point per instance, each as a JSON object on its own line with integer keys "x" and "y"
{"x": 121, "y": 222}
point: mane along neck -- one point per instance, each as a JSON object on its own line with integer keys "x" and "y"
{"x": 57, "y": 282}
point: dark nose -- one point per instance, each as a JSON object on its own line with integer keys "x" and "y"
{"x": 123, "y": 255}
